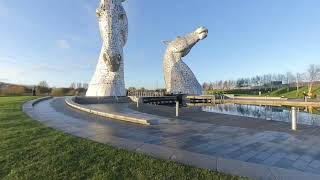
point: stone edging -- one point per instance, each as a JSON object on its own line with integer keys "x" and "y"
{"x": 111, "y": 115}
{"x": 30, "y": 104}
{"x": 27, "y": 107}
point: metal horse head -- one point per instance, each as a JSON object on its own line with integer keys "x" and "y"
{"x": 113, "y": 25}
{"x": 183, "y": 45}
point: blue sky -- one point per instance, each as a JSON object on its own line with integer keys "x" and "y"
{"x": 59, "y": 41}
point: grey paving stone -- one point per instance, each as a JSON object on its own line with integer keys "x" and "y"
{"x": 279, "y": 155}
{"x": 284, "y": 163}
{"x": 263, "y": 155}
{"x": 315, "y": 164}
{"x": 293, "y": 156}
{"x": 255, "y": 160}
{"x": 300, "y": 165}
{"x": 246, "y": 156}
{"x": 236, "y": 153}
{"x": 312, "y": 170}
{"x": 227, "y": 151}
{"x": 271, "y": 160}
{"x": 306, "y": 158}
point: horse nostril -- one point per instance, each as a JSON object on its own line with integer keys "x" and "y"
{"x": 119, "y": 58}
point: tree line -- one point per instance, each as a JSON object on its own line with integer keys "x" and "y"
{"x": 43, "y": 88}
{"x": 270, "y": 81}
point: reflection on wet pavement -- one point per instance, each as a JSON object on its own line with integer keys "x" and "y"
{"x": 306, "y": 115}
{"x": 278, "y": 149}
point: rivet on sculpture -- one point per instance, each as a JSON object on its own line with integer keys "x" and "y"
{"x": 178, "y": 76}
{"x": 108, "y": 79}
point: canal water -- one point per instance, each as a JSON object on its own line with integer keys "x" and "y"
{"x": 306, "y": 115}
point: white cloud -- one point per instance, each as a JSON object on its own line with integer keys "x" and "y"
{"x": 63, "y": 44}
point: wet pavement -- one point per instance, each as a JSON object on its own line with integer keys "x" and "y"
{"x": 223, "y": 136}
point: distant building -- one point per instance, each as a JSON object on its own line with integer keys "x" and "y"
{"x": 277, "y": 84}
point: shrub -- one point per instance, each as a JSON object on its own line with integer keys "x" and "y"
{"x": 63, "y": 92}
{"x": 42, "y": 90}
{"x": 14, "y": 90}
{"x": 58, "y": 92}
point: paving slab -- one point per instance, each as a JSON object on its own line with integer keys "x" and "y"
{"x": 204, "y": 144}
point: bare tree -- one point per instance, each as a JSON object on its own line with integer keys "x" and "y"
{"x": 225, "y": 85}
{"x": 73, "y": 85}
{"x": 79, "y": 85}
{"x": 289, "y": 79}
{"x": 299, "y": 79}
{"x": 205, "y": 86}
{"x": 313, "y": 74}
{"x": 43, "y": 84}
{"x": 85, "y": 85}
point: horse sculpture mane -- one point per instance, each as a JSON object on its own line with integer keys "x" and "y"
{"x": 108, "y": 79}
{"x": 178, "y": 76}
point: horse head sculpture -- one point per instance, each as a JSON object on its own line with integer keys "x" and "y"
{"x": 113, "y": 25}
{"x": 178, "y": 76}
{"x": 108, "y": 79}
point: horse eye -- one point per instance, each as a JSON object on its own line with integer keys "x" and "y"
{"x": 121, "y": 17}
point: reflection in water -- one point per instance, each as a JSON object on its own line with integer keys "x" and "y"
{"x": 306, "y": 115}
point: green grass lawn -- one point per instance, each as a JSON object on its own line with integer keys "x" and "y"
{"x": 293, "y": 93}
{"x": 282, "y": 92}
{"x": 29, "y": 150}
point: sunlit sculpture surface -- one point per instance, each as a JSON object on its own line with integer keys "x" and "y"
{"x": 178, "y": 76}
{"x": 108, "y": 79}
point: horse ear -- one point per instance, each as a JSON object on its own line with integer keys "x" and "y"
{"x": 166, "y": 42}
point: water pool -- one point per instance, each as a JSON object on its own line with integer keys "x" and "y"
{"x": 306, "y": 115}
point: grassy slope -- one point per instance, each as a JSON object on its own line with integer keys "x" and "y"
{"x": 293, "y": 92}
{"x": 276, "y": 93}
{"x": 29, "y": 150}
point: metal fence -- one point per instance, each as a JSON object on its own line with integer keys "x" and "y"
{"x": 141, "y": 93}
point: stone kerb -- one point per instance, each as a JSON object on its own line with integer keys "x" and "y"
{"x": 113, "y": 115}
{"x": 28, "y": 106}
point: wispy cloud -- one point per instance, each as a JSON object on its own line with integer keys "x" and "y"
{"x": 63, "y": 44}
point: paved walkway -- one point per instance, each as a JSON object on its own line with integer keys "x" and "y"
{"x": 197, "y": 115}
{"x": 262, "y": 147}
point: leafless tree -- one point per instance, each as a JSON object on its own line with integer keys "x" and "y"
{"x": 85, "y": 85}
{"x": 73, "y": 85}
{"x": 79, "y": 85}
{"x": 205, "y": 86}
{"x": 299, "y": 79}
{"x": 313, "y": 74}
{"x": 43, "y": 84}
{"x": 289, "y": 79}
